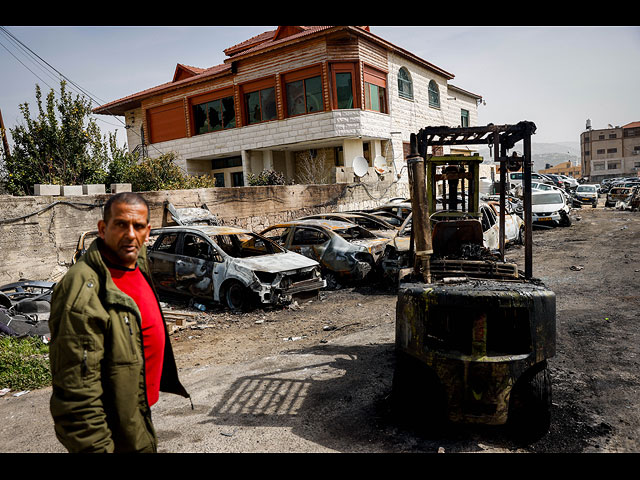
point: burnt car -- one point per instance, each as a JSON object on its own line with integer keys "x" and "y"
{"x": 375, "y": 224}
{"x": 617, "y": 194}
{"x": 25, "y": 307}
{"x": 344, "y": 250}
{"x": 228, "y": 265}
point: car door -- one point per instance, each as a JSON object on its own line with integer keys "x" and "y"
{"x": 194, "y": 266}
{"x": 311, "y": 242}
{"x": 162, "y": 258}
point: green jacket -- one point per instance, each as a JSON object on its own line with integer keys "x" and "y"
{"x": 99, "y": 401}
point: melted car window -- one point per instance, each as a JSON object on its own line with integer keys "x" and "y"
{"x": 246, "y": 245}
{"x": 197, "y": 247}
{"x": 309, "y": 236}
{"x": 167, "y": 243}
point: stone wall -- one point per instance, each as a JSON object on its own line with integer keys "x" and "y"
{"x": 38, "y": 235}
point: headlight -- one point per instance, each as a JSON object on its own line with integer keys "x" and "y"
{"x": 266, "y": 277}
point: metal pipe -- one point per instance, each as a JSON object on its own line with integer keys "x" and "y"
{"x": 421, "y": 228}
{"x": 528, "y": 245}
{"x": 503, "y": 187}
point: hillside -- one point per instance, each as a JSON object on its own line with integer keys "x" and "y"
{"x": 544, "y": 153}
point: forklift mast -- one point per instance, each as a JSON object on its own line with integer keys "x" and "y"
{"x": 456, "y": 170}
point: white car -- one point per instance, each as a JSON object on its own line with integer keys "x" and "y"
{"x": 587, "y": 194}
{"x": 549, "y": 208}
{"x": 573, "y": 183}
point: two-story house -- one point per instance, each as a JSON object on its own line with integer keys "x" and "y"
{"x": 294, "y": 98}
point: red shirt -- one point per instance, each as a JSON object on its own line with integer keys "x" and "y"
{"x": 134, "y": 284}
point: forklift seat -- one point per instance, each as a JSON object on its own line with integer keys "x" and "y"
{"x": 449, "y": 235}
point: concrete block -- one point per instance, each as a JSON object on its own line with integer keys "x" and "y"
{"x": 120, "y": 187}
{"x": 40, "y": 189}
{"x": 70, "y": 190}
{"x": 95, "y": 189}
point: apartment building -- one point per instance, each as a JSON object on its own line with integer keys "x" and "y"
{"x": 292, "y": 96}
{"x": 610, "y": 152}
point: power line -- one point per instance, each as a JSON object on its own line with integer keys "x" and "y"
{"x": 31, "y": 54}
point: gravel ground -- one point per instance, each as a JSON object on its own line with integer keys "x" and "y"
{"x": 316, "y": 376}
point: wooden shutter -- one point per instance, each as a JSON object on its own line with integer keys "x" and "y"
{"x": 167, "y": 122}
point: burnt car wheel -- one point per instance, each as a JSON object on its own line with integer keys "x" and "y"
{"x": 237, "y": 297}
{"x": 530, "y": 405}
{"x": 565, "y": 221}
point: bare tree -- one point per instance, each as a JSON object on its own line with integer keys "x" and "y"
{"x": 312, "y": 168}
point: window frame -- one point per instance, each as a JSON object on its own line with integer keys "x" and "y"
{"x": 408, "y": 82}
{"x": 302, "y": 75}
{"x": 434, "y": 90}
{"x": 259, "y": 87}
{"x": 340, "y": 68}
{"x": 204, "y": 99}
{"x": 375, "y": 78}
{"x": 464, "y": 117}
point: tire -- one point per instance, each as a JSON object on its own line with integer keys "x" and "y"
{"x": 565, "y": 221}
{"x": 237, "y": 297}
{"x": 530, "y": 405}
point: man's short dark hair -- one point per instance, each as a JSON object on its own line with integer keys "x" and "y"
{"x": 130, "y": 198}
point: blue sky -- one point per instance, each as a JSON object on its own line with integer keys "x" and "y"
{"x": 557, "y": 77}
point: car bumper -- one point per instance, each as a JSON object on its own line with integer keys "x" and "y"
{"x": 550, "y": 219}
{"x": 284, "y": 288}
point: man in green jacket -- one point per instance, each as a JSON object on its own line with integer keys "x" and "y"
{"x": 110, "y": 351}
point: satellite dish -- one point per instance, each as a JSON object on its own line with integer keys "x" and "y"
{"x": 360, "y": 166}
{"x": 380, "y": 164}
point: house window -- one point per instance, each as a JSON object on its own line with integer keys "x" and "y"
{"x": 600, "y": 151}
{"x": 304, "y": 96}
{"x": 434, "y": 95}
{"x": 405, "y": 86}
{"x": 219, "y": 178}
{"x": 375, "y": 90}
{"x": 343, "y": 93}
{"x": 344, "y": 90}
{"x": 260, "y": 105}
{"x": 374, "y": 98}
{"x": 612, "y": 150}
{"x": 464, "y": 118}
{"x": 613, "y": 166}
{"x": 237, "y": 179}
{"x": 598, "y": 166}
{"x": 215, "y": 115}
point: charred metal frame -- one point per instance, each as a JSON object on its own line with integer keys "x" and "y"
{"x": 500, "y": 138}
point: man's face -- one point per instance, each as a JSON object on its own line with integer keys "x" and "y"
{"x": 125, "y": 233}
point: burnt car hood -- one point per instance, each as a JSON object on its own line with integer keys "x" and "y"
{"x": 278, "y": 262}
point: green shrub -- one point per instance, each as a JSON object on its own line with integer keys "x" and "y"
{"x": 24, "y": 363}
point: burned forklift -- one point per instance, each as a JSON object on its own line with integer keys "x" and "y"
{"x": 473, "y": 332}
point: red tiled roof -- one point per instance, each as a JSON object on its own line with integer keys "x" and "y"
{"x": 632, "y": 125}
{"x": 258, "y": 43}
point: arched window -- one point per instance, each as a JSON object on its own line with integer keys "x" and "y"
{"x": 434, "y": 94}
{"x": 405, "y": 86}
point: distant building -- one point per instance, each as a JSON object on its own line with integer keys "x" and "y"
{"x": 564, "y": 168}
{"x": 335, "y": 93}
{"x": 610, "y": 152}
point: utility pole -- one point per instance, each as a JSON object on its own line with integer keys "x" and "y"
{"x": 5, "y": 142}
